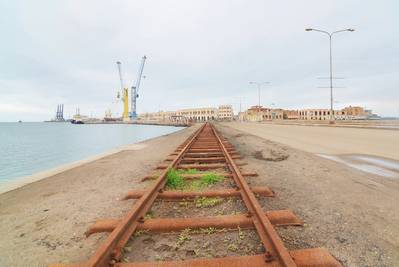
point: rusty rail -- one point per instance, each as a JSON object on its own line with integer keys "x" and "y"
{"x": 204, "y": 150}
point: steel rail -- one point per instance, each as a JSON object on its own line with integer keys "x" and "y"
{"x": 275, "y": 249}
{"x": 110, "y": 250}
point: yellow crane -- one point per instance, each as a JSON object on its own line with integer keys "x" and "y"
{"x": 125, "y": 95}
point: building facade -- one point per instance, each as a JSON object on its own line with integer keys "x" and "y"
{"x": 198, "y": 114}
{"x": 290, "y": 114}
{"x": 259, "y": 113}
{"x": 225, "y": 113}
{"x": 348, "y": 113}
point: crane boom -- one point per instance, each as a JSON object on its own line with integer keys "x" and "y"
{"x": 120, "y": 73}
{"x": 135, "y": 89}
{"x": 124, "y": 92}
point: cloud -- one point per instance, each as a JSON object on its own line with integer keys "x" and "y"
{"x": 200, "y": 53}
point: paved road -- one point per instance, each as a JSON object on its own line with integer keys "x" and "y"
{"x": 328, "y": 140}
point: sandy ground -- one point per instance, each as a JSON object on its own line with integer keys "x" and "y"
{"x": 354, "y": 214}
{"x": 44, "y": 222}
{"x": 328, "y": 140}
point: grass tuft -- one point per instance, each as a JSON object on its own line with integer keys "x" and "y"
{"x": 174, "y": 180}
{"x": 207, "y": 202}
{"x": 211, "y": 178}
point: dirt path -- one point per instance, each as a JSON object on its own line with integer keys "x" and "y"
{"x": 44, "y": 222}
{"x": 353, "y": 214}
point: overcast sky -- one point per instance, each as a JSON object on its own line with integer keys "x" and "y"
{"x": 200, "y": 53}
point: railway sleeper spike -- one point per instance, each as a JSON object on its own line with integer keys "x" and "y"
{"x": 161, "y": 225}
{"x": 314, "y": 257}
{"x": 263, "y": 191}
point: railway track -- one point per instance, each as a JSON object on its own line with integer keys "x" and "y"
{"x": 205, "y": 167}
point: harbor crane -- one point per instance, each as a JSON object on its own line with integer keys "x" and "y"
{"x": 135, "y": 90}
{"x": 125, "y": 95}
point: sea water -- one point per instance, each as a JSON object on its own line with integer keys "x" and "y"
{"x": 27, "y": 148}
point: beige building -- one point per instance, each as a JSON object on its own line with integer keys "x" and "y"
{"x": 348, "y": 113}
{"x": 160, "y": 116}
{"x": 198, "y": 114}
{"x": 225, "y": 112}
{"x": 291, "y": 114}
{"x": 259, "y": 113}
{"x": 356, "y": 113}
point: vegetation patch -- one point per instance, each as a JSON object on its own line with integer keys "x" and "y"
{"x": 211, "y": 178}
{"x": 176, "y": 181}
{"x": 207, "y": 202}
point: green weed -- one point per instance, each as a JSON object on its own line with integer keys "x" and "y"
{"x": 206, "y": 202}
{"x": 174, "y": 180}
{"x": 211, "y": 178}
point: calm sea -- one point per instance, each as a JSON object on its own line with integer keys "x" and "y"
{"x": 27, "y": 148}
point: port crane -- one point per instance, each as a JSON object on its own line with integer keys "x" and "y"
{"x": 125, "y": 94}
{"x": 135, "y": 90}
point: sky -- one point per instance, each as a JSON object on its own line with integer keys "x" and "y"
{"x": 199, "y": 54}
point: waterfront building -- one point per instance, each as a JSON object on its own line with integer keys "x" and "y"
{"x": 357, "y": 113}
{"x": 225, "y": 112}
{"x": 290, "y": 114}
{"x": 347, "y": 113}
{"x": 198, "y": 114}
{"x": 259, "y": 113}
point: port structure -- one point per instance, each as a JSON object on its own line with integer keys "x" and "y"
{"x": 134, "y": 94}
{"x": 204, "y": 150}
{"x": 135, "y": 90}
{"x": 125, "y": 94}
{"x": 59, "y": 114}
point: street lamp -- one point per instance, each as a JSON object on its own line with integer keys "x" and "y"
{"x": 259, "y": 84}
{"x": 330, "y": 35}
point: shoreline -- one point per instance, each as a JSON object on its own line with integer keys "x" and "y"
{"x": 44, "y": 221}
{"x": 18, "y": 182}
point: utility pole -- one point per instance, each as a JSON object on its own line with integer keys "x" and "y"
{"x": 330, "y": 35}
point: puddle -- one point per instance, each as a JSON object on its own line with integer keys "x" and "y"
{"x": 370, "y": 164}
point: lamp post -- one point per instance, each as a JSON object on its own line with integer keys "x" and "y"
{"x": 330, "y": 35}
{"x": 259, "y": 84}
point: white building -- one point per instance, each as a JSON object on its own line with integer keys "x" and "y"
{"x": 225, "y": 112}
